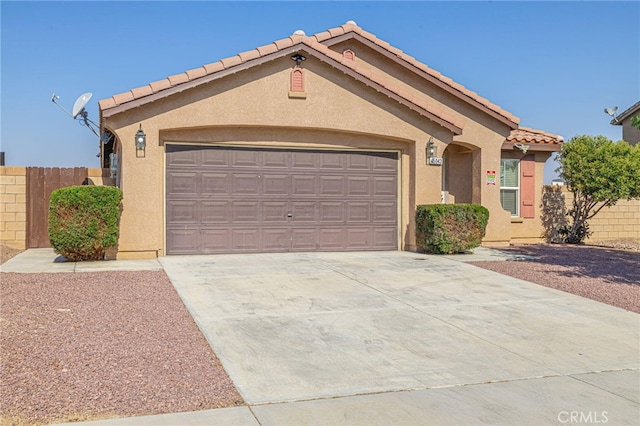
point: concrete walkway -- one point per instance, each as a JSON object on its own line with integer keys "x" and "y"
{"x": 401, "y": 338}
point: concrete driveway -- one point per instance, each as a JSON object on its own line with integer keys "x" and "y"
{"x": 408, "y": 335}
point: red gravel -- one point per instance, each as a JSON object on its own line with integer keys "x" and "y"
{"x": 602, "y": 274}
{"x": 95, "y": 345}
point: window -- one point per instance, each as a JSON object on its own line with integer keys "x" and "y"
{"x": 509, "y": 185}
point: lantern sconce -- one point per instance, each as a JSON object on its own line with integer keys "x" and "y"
{"x": 141, "y": 142}
{"x": 432, "y": 154}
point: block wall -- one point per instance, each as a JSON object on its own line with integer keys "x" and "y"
{"x": 13, "y": 206}
{"x": 618, "y": 222}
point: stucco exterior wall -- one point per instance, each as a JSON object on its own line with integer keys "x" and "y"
{"x": 254, "y": 109}
{"x": 630, "y": 133}
{"x": 480, "y": 131}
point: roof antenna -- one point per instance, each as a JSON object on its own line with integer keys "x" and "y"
{"x": 79, "y": 112}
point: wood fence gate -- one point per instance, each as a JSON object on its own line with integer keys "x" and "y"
{"x": 41, "y": 182}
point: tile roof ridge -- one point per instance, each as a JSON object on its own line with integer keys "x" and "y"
{"x": 352, "y": 26}
{"x": 528, "y": 134}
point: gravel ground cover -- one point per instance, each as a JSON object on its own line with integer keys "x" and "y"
{"x": 7, "y": 253}
{"x": 603, "y": 274}
{"x": 77, "y": 346}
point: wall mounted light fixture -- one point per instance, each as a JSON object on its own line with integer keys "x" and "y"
{"x": 141, "y": 142}
{"x": 432, "y": 154}
{"x": 432, "y": 149}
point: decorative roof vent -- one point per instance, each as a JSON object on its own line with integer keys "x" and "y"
{"x": 299, "y": 32}
{"x": 349, "y": 54}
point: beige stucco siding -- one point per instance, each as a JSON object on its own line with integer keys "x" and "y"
{"x": 253, "y": 108}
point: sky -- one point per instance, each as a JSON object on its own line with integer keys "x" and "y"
{"x": 556, "y": 65}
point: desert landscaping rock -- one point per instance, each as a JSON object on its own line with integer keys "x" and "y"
{"x": 95, "y": 345}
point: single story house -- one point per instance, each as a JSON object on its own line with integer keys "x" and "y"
{"x": 314, "y": 143}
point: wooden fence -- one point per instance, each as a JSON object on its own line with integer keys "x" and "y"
{"x": 40, "y": 183}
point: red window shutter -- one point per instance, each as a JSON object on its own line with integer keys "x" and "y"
{"x": 297, "y": 80}
{"x": 527, "y": 186}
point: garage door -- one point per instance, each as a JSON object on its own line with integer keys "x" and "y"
{"x": 241, "y": 200}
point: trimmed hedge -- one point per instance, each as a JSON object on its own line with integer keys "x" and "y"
{"x": 450, "y": 228}
{"x": 84, "y": 220}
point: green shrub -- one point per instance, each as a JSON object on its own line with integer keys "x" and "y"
{"x": 83, "y": 221}
{"x": 450, "y": 228}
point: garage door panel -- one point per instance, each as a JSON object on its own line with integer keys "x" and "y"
{"x": 246, "y": 240}
{"x": 276, "y": 239}
{"x": 332, "y": 186}
{"x": 384, "y": 238}
{"x": 384, "y": 212}
{"x": 330, "y": 211}
{"x": 215, "y": 240}
{"x": 276, "y": 184}
{"x": 183, "y": 183}
{"x": 183, "y": 211}
{"x": 276, "y": 160}
{"x": 183, "y": 241}
{"x": 275, "y": 211}
{"x": 330, "y": 161}
{"x": 215, "y": 183}
{"x": 303, "y": 211}
{"x": 215, "y": 212}
{"x": 246, "y": 184}
{"x": 358, "y": 186}
{"x": 245, "y": 212}
{"x": 358, "y": 212}
{"x": 331, "y": 238}
{"x": 246, "y": 158}
{"x": 304, "y": 239}
{"x": 384, "y": 161}
{"x": 184, "y": 156}
{"x": 385, "y": 186}
{"x": 358, "y": 162}
{"x": 304, "y": 160}
{"x": 215, "y": 157}
{"x": 304, "y": 185}
{"x": 225, "y": 200}
{"x": 358, "y": 238}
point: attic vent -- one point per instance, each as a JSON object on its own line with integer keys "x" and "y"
{"x": 349, "y": 54}
{"x": 297, "y": 80}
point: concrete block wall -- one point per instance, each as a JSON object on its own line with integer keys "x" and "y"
{"x": 618, "y": 222}
{"x": 13, "y": 206}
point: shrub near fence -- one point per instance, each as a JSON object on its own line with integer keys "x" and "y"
{"x": 450, "y": 228}
{"x": 84, "y": 220}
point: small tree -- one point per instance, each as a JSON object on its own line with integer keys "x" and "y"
{"x": 598, "y": 172}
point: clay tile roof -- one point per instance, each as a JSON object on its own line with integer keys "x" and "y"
{"x": 415, "y": 63}
{"x": 527, "y": 135}
{"x": 196, "y": 73}
{"x": 178, "y": 78}
{"x": 314, "y": 42}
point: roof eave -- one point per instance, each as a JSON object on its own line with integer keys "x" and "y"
{"x": 300, "y": 46}
{"x": 534, "y": 146}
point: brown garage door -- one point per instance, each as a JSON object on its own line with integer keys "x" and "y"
{"x": 241, "y": 200}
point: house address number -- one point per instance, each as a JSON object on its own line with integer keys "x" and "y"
{"x": 435, "y": 161}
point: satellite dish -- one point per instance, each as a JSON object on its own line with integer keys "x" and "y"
{"x": 611, "y": 111}
{"x": 80, "y": 103}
